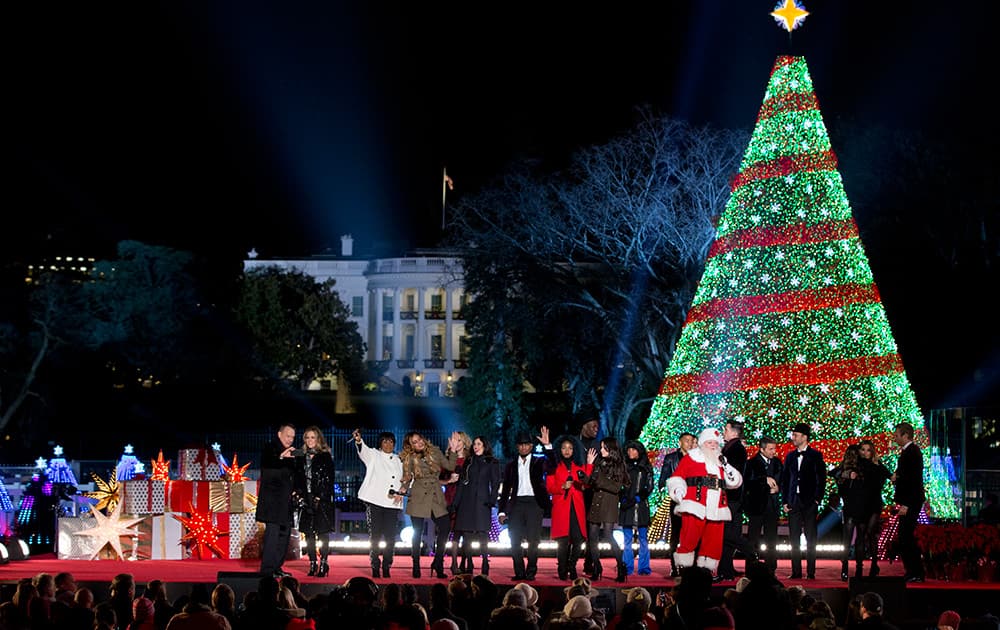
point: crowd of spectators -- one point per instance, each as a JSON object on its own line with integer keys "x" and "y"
{"x": 467, "y": 602}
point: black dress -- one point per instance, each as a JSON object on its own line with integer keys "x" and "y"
{"x": 314, "y": 483}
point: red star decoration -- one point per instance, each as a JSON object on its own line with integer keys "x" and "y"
{"x": 202, "y": 534}
{"x": 234, "y": 471}
{"x": 161, "y": 468}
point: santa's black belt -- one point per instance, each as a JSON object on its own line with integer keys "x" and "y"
{"x": 704, "y": 482}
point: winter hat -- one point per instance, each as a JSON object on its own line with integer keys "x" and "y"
{"x": 580, "y": 586}
{"x": 578, "y": 607}
{"x": 530, "y": 594}
{"x": 142, "y": 609}
{"x": 717, "y": 618}
{"x": 949, "y": 618}
{"x": 638, "y": 593}
{"x": 709, "y": 435}
{"x": 514, "y": 597}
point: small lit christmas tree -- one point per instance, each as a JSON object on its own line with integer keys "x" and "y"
{"x": 128, "y": 464}
{"x": 58, "y": 470}
{"x": 787, "y": 324}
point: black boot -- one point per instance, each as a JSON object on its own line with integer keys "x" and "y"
{"x": 385, "y": 571}
{"x": 843, "y": 570}
{"x": 416, "y": 567}
{"x": 324, "y": 569}
{"x": 312, "y": 568}
{"x": 597, "y": 570}
{"x": 621, "y": 572}
{"x": 454, "y": 565}
{"x": 376, "y": 568}
{"x": 859, "y": 569}
{"x": 873, "y": 571}
{"x": 485, "y": 566}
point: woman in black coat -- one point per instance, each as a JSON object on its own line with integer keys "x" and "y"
{"x": 850, "y": 481}
{"x": 475, "y": 498}
{"x": 314, "y": 489}
{"x": 634, "y": 515}
{"x": 875, "y": 475}
{"x": 607, "y": 479}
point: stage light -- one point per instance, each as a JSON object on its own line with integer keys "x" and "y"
{"x": 16, "y": 549}
{"x": 406, "y": 534}
{"x": 504, "y": 537}
{"x": 619, "y": 537}
{"x": 4, "y": 557}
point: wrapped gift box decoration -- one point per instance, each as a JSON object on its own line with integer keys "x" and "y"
{"x": 160, "y": 538}
{"x": 242, "y": 530}
{"x": 181, "y": 495}
{"x": 70, "y": 547}
{"x": 144, "y": 496}
{"x": 199, "y": 464}
{"x": 226, "y": 496}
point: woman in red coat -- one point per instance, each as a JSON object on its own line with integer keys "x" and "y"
{"x": 564, "y": 482}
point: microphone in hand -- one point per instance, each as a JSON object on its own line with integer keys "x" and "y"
{"x": 722, "y": 460}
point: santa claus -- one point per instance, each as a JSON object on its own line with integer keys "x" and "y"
{"x": 697, "y": 487}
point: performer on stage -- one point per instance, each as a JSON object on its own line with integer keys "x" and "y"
{"x": 274, "y": 500}
{"x": 565, "y": 482}
{"x": 607, "y": 478}
{"x": 524, "y": 501}
{"x": 909, "y": 498}
{"x": 383, "y": 503}
{"x": 802, "y": 485}
{"x": 685, "y": 443}
{"x": 761, "y": 501}
{"x": 634, "y": 515}
{"x": 314, "y": 485}
{"x": 477, "y": 493}
{"x": 699, "y": 485}
{"x": 422, "y": 464}
{"x": 735, "y": 453}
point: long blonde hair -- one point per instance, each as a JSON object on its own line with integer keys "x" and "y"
{"x": 466, "y": 443}
{"x": 321, "y": 445}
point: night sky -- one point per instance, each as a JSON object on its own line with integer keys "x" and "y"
{"x": 221, "y": 126}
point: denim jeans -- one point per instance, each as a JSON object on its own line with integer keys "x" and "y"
{"x": 643, "y": 551}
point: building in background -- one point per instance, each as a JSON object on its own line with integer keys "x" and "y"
{"x": 409, "y": 311}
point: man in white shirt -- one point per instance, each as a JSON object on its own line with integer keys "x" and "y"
{"x": 379, "y": 491}
{"x": 524, "y": 501}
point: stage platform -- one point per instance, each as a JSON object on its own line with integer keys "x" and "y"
{"x": 904, "y": 601}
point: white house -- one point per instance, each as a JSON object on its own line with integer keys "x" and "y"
{"x": 408, "y": 311}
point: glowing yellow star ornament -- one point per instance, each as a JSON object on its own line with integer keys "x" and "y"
{"x": 202, "y": 534}
{"x": 109, "y": 530}
{"x": 234, "y": 471}
{"x": 108, "y": 493}
{"x": 789, "y": 14}
{"x": 161, "y": 468}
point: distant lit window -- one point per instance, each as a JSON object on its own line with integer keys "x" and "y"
{"x": 358, "y": 306}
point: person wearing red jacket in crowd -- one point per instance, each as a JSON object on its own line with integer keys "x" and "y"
{"x": 698, "y": 486}
{"x": 565, "y": 481}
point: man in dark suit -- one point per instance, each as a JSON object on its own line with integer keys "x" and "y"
{"x": 685, "y": 443}
{"x": 524, "y": 501}
{"x": 802, "y": 484}
{"x": 274, "y": 500}
{"x": 735, "y": 453}
{"x": 761, "y": 502}
{"x": 909, "y": 498}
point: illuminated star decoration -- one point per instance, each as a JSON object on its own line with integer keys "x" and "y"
{"x": 129, "y": 449}
{"x": 789, "y": 14}
{"x": 41, "y": 462}
{"x": 234, "y": 472}
{"x": 109, "y": 530}
{"x": 108, "y": 493}
{"x": 161, "y": 468}
{"x": 58, "y": 451}
{"x": 216, "y": 446}
{"x": 202, "y": 533}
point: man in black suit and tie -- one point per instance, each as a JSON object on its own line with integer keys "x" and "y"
{"x": 685, "y": 443}
{"x": 802, "y": 484}
{"x": 524, "y": 501}
{"x": 909, "y": 498}
{"x": 761, "y": 502}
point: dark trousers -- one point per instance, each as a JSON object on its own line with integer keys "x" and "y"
{"x": 675, "y": 533}
{"x": 598, "y": 533}
{"x": 568, "y": 547}
{"x": 383, "y": 524}
{"x": 853, "y": 528}
{"x": 909, "y": 551}
{"x": 732, "y": 540}
{"x": 442, "y": 525}
{"x": 802, "y": 519}
{"x": 873, "y": 527}
{"x": 768, "y": 524}
{"x": 311, "y": 538}
{"x": 524, "y": 523}
{"x": 274, "y": 546}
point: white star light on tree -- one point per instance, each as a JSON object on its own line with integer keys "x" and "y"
{"x": 109, "y": 530}
{"x": 128, "y": 449}
{"x": 139, "y": 468}
{"x": 825, "y": 388}
{"x": 839, "y": 408}
{"x": 216, "y": 446}
{"x": 803, "y": 400}
{"x": 57, "y": 451}
{"x": 41, "y": 462}
{"x": 772, "y": 413}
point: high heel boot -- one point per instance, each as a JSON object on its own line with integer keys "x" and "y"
{"x": 312, "y": 568}
{"x": 324, "y": 569}
{"x": 485, "y": 566}
{"x": 621, "y": 572}
{"x": 873, "y": 571}
{"x": 843, "y": 570}
{"x": 598, "y": 570}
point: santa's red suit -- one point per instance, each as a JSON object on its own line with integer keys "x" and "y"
{"x": 697, "y": 489}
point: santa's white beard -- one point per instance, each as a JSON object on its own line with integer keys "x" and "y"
{"x": 711, "y": 457}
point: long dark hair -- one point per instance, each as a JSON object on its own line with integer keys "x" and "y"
{"x": 614, "y": 463}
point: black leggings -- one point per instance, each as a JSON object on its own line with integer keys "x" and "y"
{"x": 324, "y": 551}
{"x": 598, "y": 533}
{"x": 441, "y": 530}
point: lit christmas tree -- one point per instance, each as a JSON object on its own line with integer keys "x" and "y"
{"x": 129, "y": 464}
{"x": 58, "y": 470}
{"x": 787, "y": 324}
